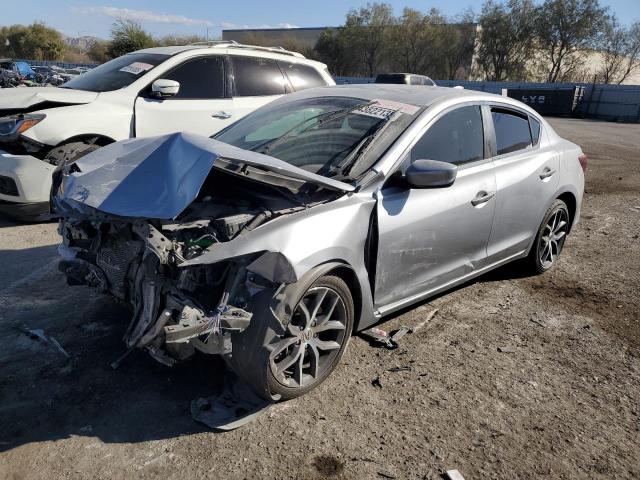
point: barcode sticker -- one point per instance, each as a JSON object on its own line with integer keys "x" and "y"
{"x": 137, "y": 68}
{"x": 384, "y": 109}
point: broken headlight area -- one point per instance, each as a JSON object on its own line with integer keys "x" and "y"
{"x": 176, "y": 310}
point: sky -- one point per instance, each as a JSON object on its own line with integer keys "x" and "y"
{"x": 162, "y": 17}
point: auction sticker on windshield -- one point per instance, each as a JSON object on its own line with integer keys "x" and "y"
{"x": 384, "y": 109}
{"x": 137, "y": 68}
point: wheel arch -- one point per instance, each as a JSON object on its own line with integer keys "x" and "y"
{"x": 572, "y": 204}
{"x": 346, "y": 273}
{"x": 93, "y": 138}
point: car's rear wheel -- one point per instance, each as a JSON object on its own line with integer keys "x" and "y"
{"x": 550, "y": 239}
{"x": 290, "y": 362}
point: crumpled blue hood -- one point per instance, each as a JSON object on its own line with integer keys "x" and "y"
{"x": 159, "y": 177}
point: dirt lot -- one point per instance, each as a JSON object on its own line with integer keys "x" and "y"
{"x": 563, "y": 400}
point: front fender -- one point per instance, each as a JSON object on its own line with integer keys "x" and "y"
{"x": 98, "y": 117}
{"x": 332, "y": 232}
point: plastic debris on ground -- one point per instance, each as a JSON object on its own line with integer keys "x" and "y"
{"x": 454, "y": 475}
{"x": 38, "y": 334}
{"x": 379, "y": 337}
{"x": 234, "y": 407}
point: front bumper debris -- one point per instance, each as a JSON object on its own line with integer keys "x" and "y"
{"x": 176, "y": 311}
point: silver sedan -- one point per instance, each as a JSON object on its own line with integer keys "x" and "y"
{"x": 312, "y": 218}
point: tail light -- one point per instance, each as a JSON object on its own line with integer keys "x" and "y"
{"x": 583, "y": 159}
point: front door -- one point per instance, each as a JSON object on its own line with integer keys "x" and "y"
{"x": 201, "y": 106}
{"x": 430, "y": 237}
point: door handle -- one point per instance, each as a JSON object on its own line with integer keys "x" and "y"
{"x": 482, "y": 197}
{"x": 547, "y": 173}
{"x": 222, "y": 115}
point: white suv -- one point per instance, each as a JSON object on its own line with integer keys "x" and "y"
{"x": 198, "y": 88}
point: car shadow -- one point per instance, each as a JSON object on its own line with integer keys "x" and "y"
{"x": 511, "y": 271}
{"x": 8, "y": 222}
{"x": 47, "y": 395}
{"x": 18, "y": 265}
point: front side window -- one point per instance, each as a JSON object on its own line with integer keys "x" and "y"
{"x": 512, "y": 131}
{"x": 302, "y": 76}
{"x": 199, "y": 78}
{"x": 117, "y": 73}
{"x": 457, "y": 137}
{"x": 255, "y": 76}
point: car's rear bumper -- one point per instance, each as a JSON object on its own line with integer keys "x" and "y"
{"x": 25, "y": 186}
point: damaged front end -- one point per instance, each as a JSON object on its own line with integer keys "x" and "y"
{"x": 175, "y": 310}
{"x": 137, "y": 215}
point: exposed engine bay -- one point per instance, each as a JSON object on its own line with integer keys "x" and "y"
{"x": 178, "y": 310}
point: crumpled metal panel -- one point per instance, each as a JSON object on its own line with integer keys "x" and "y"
{"x": 158, "y": 177}
{"x": 154, "y": 177}
{"x": 19, "y": 98}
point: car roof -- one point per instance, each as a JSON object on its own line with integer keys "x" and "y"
{"x": 230, "y": 46}
{"x": 413, "y": 94}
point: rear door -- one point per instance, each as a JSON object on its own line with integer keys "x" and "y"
{"x": 430, "y": 237}
{"x": 256, "y": 81}
{"x": 526, "y": 179}
{"x": 201, "y": 106}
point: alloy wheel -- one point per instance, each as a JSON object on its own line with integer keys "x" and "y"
{"x": 552, "y": 238}
{"x": 313, "y": 339}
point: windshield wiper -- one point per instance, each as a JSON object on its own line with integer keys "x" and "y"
{"x": 344, "y": 167}
{"x": 321, "y": 119}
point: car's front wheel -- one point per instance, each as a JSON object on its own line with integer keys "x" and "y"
{"x": 288, "y": 362}
{"x": 550, "y": 239}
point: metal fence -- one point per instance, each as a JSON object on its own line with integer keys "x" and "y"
{"x": 49, "y": 63}
{"x": 607, "y": 102}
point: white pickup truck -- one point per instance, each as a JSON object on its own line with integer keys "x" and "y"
{"x": 196, "y": 88}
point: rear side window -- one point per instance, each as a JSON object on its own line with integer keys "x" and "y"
{"x": 302, "y": 76}
{"x": 257, "y": 76}
{"x": 512, "y": 131}
{"x": 457, "y": 137}
{"x": 535, "y": 130}
{"x": 199, "y": 78}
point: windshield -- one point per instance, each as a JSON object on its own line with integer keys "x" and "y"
{"x": 117, "y": 73}
{"x": 322, "y": 135}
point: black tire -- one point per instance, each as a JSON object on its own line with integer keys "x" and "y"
{"x": 255, "y": 351}
{"x": 69, "y": 153}
{"x": 535, "y": 261}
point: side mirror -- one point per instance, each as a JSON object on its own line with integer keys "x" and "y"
{"x": 430, "y": 174}
{"x": 163, "y": 88}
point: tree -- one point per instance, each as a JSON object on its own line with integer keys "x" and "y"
{"x": 457, "y": 44}
{"x": 412, "y": 36}
{"x": 288, "y": 42}
{"x": 620, "y": 49}
{"x": 128, "y": 36}
{"x": 506, "y": 39}
{"x": 564, "y": 28}
{"x": 169, "y": 40}
{"x": 367, "y": 32}
{"x": 33, "y": 42}
{"x": 333, "y": 49}
{"x": 99, "y": 51}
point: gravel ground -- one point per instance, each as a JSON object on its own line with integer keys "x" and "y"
{"x": 514, "y": 377}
